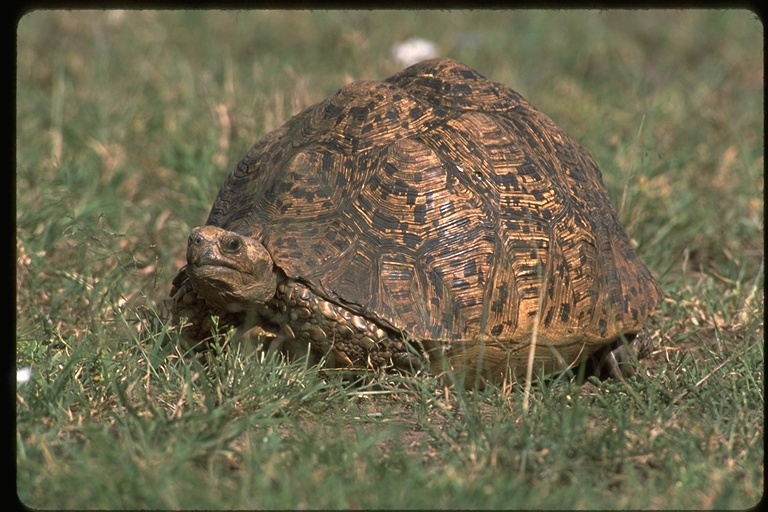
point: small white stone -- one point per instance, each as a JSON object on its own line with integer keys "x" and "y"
{"x": 23, "y": 375}
{"x": 413, "y": 50}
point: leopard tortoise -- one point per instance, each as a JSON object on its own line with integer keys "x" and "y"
{"x": 431, "y": 220}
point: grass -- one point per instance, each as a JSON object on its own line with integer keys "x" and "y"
{"x": 127, "y": 123}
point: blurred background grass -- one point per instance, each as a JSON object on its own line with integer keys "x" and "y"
{"x": 127, "y": 123}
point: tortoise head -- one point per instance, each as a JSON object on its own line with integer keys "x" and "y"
{"x": 231, "y": 271}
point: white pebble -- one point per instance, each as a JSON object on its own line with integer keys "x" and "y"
{"x": 413, "y": 50}
{"x": 23, "y": 375}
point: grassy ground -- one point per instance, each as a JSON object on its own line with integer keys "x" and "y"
{"x": 127, "y": 123}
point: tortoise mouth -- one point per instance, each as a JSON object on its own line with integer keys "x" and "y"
{"x": 229, "y": 289}
{"x": 216, "y": 271}
{"x": 207, "y": 265}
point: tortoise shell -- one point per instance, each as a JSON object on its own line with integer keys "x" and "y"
{"x": 442, "y": 206}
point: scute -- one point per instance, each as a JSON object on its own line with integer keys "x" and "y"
{"x": 442, "y": 204}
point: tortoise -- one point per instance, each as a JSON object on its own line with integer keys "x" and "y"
{"x": 434, "y": 220}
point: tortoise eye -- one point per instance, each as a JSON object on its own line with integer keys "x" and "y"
{"x": 231, "y": 245}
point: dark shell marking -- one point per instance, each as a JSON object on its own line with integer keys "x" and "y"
{"x": 440, "y": 206}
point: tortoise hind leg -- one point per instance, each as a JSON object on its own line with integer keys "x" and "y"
{"x": 619, "y": 359}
